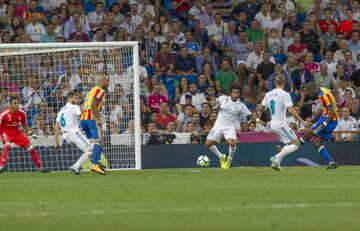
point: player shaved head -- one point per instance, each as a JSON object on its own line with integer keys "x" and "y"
{"x": 14, "y": 103}
{"x": 280, "y": 81}
{"x": 103, "y": 81}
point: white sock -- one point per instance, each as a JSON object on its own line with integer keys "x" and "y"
{"x": 287, "y": 149}
{"x": 231, "y": 152}
{"x": 215, "y": 150}
{"x": 84, "y": 157}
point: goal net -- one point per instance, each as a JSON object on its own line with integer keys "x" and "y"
{"x": 43, "y": 74}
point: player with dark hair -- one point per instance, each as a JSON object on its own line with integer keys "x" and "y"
{"x": 10, "y": 119}
{"x": 230, "y": 109}
{"x": 324, "y": 127}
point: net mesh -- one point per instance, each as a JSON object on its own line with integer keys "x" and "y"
{"x": 43, "y": 77}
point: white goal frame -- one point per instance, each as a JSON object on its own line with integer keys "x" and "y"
{"x": 136, "y": 90}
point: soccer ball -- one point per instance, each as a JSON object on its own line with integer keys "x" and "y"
{"x": 203, "y": 161}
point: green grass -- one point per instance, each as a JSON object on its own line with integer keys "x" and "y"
{"x": 302, "y": 198}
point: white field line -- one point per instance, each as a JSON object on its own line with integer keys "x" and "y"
{"x": 181, "y": 210}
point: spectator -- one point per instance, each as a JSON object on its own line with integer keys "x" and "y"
{"x": 205, "y": 113}
{"x": 159, "y": 36}
{"x": 79, "y": 35}
{"x": 118, "y": 17}
{"x": 70, "y": 26}
{"x": 35, "y": 29}
{"x": 193, "y": 47}
{"x": 340, "y": 54}
{"x": 278, "y": 71}
{"x": 216, "y": 32}
{"x": 330, "y": 37}
{"x": 20, "y": 8}
{"x": 3, "y": 8}
{"x": 286, "y": 41}
{"x": 165, "y": 116}
{"x": 128, "y": 26}
{"x": 185, "y": 63}
{"x": 348, "y": 64}
{"x": 155, "y": 99}
{"x": 355, "y": 81}
{"x": 145, "y": 6}
{"x": 254, "y": 33}
{"x": 249, "y": 7}
{"x": 229, "y": 43}
{"x": 354, "y": 108}
{"x": 182, "y": 7}
{"x": 174, "y": 47}
{"x": 179, "y": 38}
{"x": 274, "y": 43}
{"x": 298, "y": 50}
{"x": 165, "y": 26}
{"x": 195, "y": 13}
{"x": 96, "y": 17}
{"x": 329, "y": 62}
{"x": 346, "y": 123}
{"x": 275, "y": 22}
{"x": 154, "y": 80}
{"x": 336, "y": 12}
{"x": 202, "y": 59}
{"x": 147, "y": 22}
{"x": 301, "y": 76}
{"x": 33, "y": 7}
{"x": 116, "y": 113}
{"x": 154, "y": 116}
{"x": 164, "y": 61}
{"x": 223, "y": 7}
{"x": 224, "y": 78}
{"x": 292, "y": 23}
{"x": 184, "y": 118}
{"x": 49, "y": 36}
{"x": 354, "y": 44}
{"x": 346, "y": 25}
{"x": 149, "y": 50}
{"x": 327, "y": 21}
{"x": 208, "y": 71}
{"x": 197, "y": 98}
{"x": 181, "y": 88}
{"x": 263, "y": 71}
{"x": 323, "y": 79}
{"x": 313, "y": 42}
{"x": 202, "y": 84}
{"x": 310, "y": 65}
{"x": 136, "y": 19}
{"x": 63, "y": 15}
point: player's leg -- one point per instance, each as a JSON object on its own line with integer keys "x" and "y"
{"x": 213, "y": 137}
{"x": 230, "y": 137}
{"x": 325, "y": 134}
{"x": 232, "y": 149}
{"x": 5, "y": 152}
{"x": 83, "y": 144}
{"x": 286, "y": 135}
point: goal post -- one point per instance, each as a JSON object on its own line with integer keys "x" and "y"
{"x": 42, "y": 73}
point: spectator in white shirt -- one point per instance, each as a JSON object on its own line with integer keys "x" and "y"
{"x": 35, "y": 29}
{"x": 263, "y": 16}
{"x": 3, "y": 8}
{"x": 329, "y": 62}
{"x": 216, "y": 32}
{"x": 145, "y": 6}
{"x": 128, "y": 26}
{"x": 197, "y": 98}
{"x": 346, "y": 123}
{"x": 179, "y": 36}
{"x": 136, "y": 19}
{"x": 96, "y": 17}
{"x": 275, "y": 22}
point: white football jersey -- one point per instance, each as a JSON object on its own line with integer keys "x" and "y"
{"x": 277, "y": 101}
{"x": 230, "y": 111}
{"x": 69, "y": 117}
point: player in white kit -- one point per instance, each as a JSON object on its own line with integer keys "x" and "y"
{"x": 230, "y": 108}
{"x": 279, "y": 101}
{"x": 67, "y": 121}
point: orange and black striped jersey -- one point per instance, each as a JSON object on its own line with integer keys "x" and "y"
{"x": 326, "y": 100}
{"x": 95, "y": 93}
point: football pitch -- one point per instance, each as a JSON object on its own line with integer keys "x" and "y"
{"x": 301, "y": 198}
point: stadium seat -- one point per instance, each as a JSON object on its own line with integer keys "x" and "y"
{"x": 169, "y": 84}
{"x": 318, "y": 58}
{"x": 301, "y": 17}
{"x": 280, "y": 58}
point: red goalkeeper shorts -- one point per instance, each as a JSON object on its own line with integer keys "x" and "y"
{"x": 18, "y": 138}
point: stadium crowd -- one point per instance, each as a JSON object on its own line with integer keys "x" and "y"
{"x": 191, "y": 52}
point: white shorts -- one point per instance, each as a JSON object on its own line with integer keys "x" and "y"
{"x": 77, "y": 139}
{"x": 218, "y": 132}
{"x": 285, "y": 134}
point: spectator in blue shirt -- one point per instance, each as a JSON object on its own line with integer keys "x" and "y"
{"x": 202, "y": 85}
{"x": 185, "y": 63}
{"x": 205, "y": 57}
{"x": 193, "y": 47}
{"x": 249, "y": 7}
{"x": 49, "y": 36}
{"x": 90, "y": 6}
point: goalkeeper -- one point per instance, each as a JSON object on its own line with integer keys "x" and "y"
{"x": 10, "y": 133}
{"x": 91, "y": 122}
{"x": 324, "y": 127}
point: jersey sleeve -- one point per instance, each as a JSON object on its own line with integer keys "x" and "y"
{"x": 98, "y": 94}
{"x": 76, "y": 110}
{"x": 221, "y": 99}
{"x": 244, "y": 110}
{"x": 264, "y": 102}
{"x": 287, "y": 100}
{"x": 58, "y": 117}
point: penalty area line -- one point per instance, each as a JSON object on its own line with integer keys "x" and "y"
{"x": 179, "y": 210}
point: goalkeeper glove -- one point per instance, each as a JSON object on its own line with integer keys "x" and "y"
{"x": 34, "y": 136}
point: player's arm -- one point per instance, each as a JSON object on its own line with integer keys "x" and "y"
{"x": 56, "y": 135}
{"x": 292, "y": 111}
{"x": 331, "y": 113}
{"x": 28, "y": 131}
{"x": 95, "y": 111}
